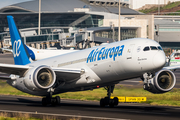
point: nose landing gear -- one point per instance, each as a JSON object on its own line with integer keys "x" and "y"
{"x": 107, "y": 100}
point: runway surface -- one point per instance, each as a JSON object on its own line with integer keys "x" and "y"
{"x": 88, "y": 109}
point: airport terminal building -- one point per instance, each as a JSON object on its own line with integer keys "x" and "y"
{"x": 67, "y": 18}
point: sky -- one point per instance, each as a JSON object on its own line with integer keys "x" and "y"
{"x": 4, "y": 3}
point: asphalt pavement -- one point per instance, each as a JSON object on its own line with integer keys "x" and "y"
{"x": 87, "y": 110}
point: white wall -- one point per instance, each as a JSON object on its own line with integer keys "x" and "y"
{"x": 135, "y": 4}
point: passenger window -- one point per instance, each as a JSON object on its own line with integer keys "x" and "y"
{"x": 153, "y": 48}
{"x": 160, "y": 48}
{"x": 146, "y": 49}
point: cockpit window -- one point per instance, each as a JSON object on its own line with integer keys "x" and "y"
{"x": 160, "y": 48}
{"x": 146, "y": 49}
{"x": 153, "y": 48}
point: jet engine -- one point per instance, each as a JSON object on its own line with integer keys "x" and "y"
{"x": 162, "y": 82}
{"x": 40, "y": 78}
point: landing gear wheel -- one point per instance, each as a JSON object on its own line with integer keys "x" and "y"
{"x": 44, "y": 102}
{"x": 111, "y": 103}
{"x": 102, "y": 102}
{"x": 107, "y": 100}
{"x": 145, "y": 86}
{"x": 116, "y": 101}
{"x": 53, "y": 101}
{"x": 58, "y": 100}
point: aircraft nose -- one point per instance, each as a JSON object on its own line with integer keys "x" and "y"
{"x": 159, "y": 59}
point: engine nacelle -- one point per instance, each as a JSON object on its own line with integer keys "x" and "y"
{"x": 162, "y": 82}
{"x": 40, "y": 78}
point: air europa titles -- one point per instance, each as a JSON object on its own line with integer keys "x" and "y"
{"x": 104, "y": 53}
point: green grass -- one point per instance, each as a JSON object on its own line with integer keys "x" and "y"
{"x": 171, "y": 98}
{"x": 6, "y": 89}
{"x": 171, "y": 5}
{"x": 155, "y": 9}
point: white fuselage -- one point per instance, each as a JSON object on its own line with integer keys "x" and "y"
{"x": 104, "y": 65}
{"x": 39, "y": 54}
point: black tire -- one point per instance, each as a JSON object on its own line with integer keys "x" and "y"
{"x": 58, "y": 100}
{"x": 106, "y": 101}
{"x": 102, "y": 103}
{"x": 44, "y": 102}
{"x": 53, "y": 102}
{"x": 116, "y": 101}
{"x": 111, "y": 103}
{"x": 145, "y": 86}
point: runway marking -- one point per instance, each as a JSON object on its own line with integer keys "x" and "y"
{"x": 63, "y": 115}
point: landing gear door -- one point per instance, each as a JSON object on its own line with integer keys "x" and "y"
{"x": 129, "y": 52}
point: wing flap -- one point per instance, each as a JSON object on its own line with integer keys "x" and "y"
{"x": 68, "y": 74}
{"x": 13, "y": 69}
{"x": 5, "y": 78}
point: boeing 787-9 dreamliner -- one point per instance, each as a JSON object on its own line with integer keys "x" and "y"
{"x": 102, "y": 66}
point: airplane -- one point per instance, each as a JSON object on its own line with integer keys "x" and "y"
{"x": 38, "y": 54}
{"x": 174, "y": 58}
{"x": 6, "y": 50}
{"x": 92, "y": 68}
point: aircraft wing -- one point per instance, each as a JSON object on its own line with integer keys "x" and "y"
{"x": 5, "y": 78}
{"x": 68, "y": 74}
{"x": 6, "y": 50}
{"x": 62, "y": 74}
{"x": 13, "y": 69}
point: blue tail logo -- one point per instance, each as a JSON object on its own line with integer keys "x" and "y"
{"x": 16, "y": 46}
{"x": 19, "y": 51}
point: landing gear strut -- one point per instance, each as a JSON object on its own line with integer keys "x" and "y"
{"x": 147, "y": 80}
{"x": 107, "y": 100}
{"x": 51, "y": 100}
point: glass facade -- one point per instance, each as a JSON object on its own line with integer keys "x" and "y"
{"x": 172, "y": 45}
{"x": 30, "y": 20}
{"x": 125, "y": 34}
{"x": 41, "y": 38}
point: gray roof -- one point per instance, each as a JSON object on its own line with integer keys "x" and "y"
{"x": 168, "y": 37}
{"x": 166, "y": 23}
{"x": 65, "y": 6}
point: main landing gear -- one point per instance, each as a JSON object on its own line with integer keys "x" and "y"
{"x": 51, "y": 100}
{"x": 107, "y": 100}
